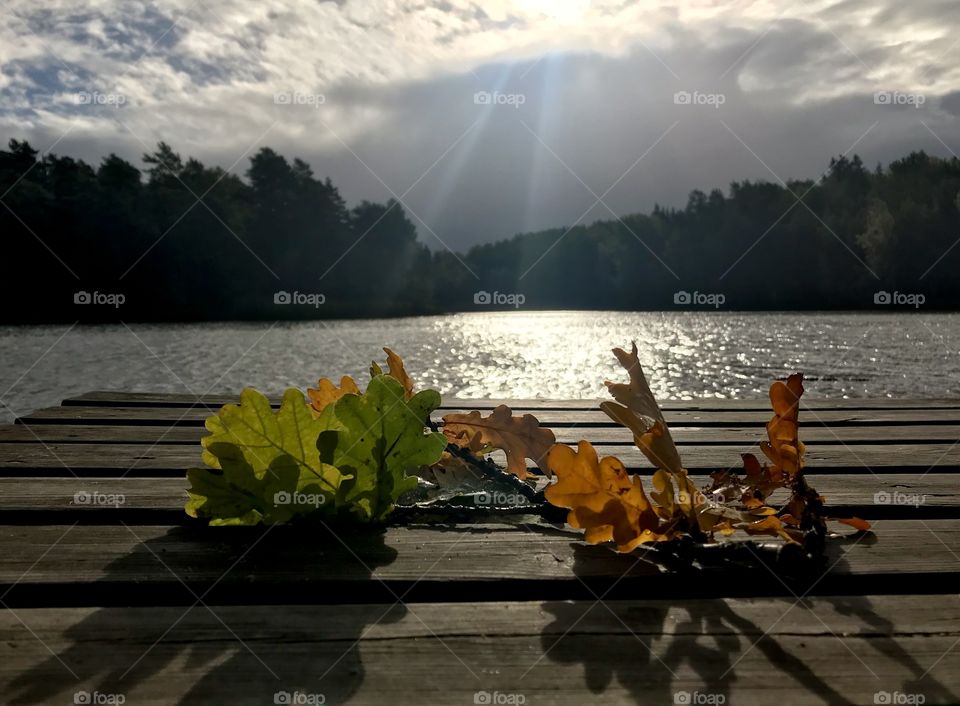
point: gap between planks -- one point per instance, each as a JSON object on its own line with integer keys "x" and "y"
{"x": 157, "y": 399}
{"x": 195, "y": 416}
{"x": 23, "y": 459}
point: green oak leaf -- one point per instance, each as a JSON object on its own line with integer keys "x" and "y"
{"x": 264, "y": 466}
{"x": 382, "y": 438}
{"x": 236, "y": 496}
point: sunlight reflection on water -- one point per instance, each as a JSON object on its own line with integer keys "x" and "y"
{"x": 513, "y": 354}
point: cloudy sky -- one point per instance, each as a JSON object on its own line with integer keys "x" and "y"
{"x": 490, "y": 118}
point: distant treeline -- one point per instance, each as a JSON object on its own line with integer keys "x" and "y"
{"x": 184, "y": 241}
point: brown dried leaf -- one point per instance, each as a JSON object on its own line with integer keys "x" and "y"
{"x": 639, "y": 411}
{"x": 519, "y": 437}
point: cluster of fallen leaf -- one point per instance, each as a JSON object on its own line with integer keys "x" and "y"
{"x": 611, "y": 505}
{"x": 347, "y": 455}
{"x": 344, "y": 456}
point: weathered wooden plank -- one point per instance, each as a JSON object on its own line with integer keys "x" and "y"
{"x": 586, "y": 418}
{"x": 752, "y": 652}
{"x": 115, "y": 459}
{"x": 153, "y": 565}
{"x": 105, "y": 434}
{"x": 65, "y": 500}
{"x": 172, "y": 435}
{"x": 111, "y": 398}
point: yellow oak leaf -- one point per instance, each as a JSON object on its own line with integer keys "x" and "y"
{"x": 603, "y": 499}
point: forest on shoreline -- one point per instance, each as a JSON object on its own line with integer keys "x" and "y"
{"x": 182, "y": 241}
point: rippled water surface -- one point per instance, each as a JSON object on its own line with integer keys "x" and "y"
{"x": 520, "y": 355}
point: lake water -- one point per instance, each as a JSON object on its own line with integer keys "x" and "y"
{"x": 517, "y": 354}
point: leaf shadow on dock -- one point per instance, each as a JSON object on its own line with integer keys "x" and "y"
{"x": 664, "y": 651}
{"x": 257, "y": 643}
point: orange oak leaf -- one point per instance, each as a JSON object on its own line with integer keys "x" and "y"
{"x": 603, "y": 499}
{"x": 761, "y": 479}
{"x": 637, "y": 409}
{"x": 784, "y": 448}
{"x": 771, "y": 525}
{"x": 855, "y": 522}
{"x": 395, "y": 369}
{"x": 519, "y": 437}
{"x": 465, "y": 440}
{"x": 326, "y": 392}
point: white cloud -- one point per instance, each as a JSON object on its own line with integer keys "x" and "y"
{"x": 398, "y": 79}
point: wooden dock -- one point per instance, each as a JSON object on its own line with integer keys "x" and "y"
{"x": 109, "y": 590}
